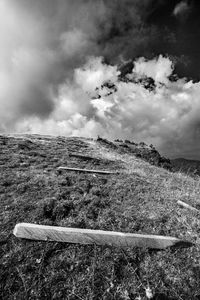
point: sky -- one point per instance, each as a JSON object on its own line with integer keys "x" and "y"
{"x": 119, "y": 69}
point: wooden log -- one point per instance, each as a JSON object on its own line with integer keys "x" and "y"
{"x": 185, "y": 205}
{"x": 88, "y": 236}
{"x": 86, "y": 171}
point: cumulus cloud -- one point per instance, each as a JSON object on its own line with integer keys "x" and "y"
{"x": 157, "y": 69}
{"x": 167, "y": 116}
{"x": 94, "y": 74}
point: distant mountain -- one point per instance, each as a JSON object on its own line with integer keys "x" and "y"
{"x": 186, "y": 165}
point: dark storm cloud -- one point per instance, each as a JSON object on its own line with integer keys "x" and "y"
{"x": 179, "y": 34}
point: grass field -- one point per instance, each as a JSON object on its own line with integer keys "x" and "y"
{"x": 142, "y": 198}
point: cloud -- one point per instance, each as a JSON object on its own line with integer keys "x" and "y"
{"x": 159, "y": 69}
{"x": 182, "y": 10}
{"x": 166, "y": 116}
{"x": 95, "y": 74}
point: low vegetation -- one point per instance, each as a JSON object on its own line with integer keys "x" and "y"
{"x": 142, "y": 198}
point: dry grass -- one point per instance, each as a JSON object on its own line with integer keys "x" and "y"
{"x": 142, "y": 198}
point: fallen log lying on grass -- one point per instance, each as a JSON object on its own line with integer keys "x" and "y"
{"x": 99, "y": 237}
{"x": 185, "y": 205}
{"x": 86, "y": 171}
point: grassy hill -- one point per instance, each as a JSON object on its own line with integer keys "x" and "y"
{"x": 142, "y": 198}
{"x": 187, "y": 166}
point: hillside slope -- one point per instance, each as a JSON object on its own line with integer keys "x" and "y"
{"x": 142, "y": 198}
{"x": 187, "y": 166}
